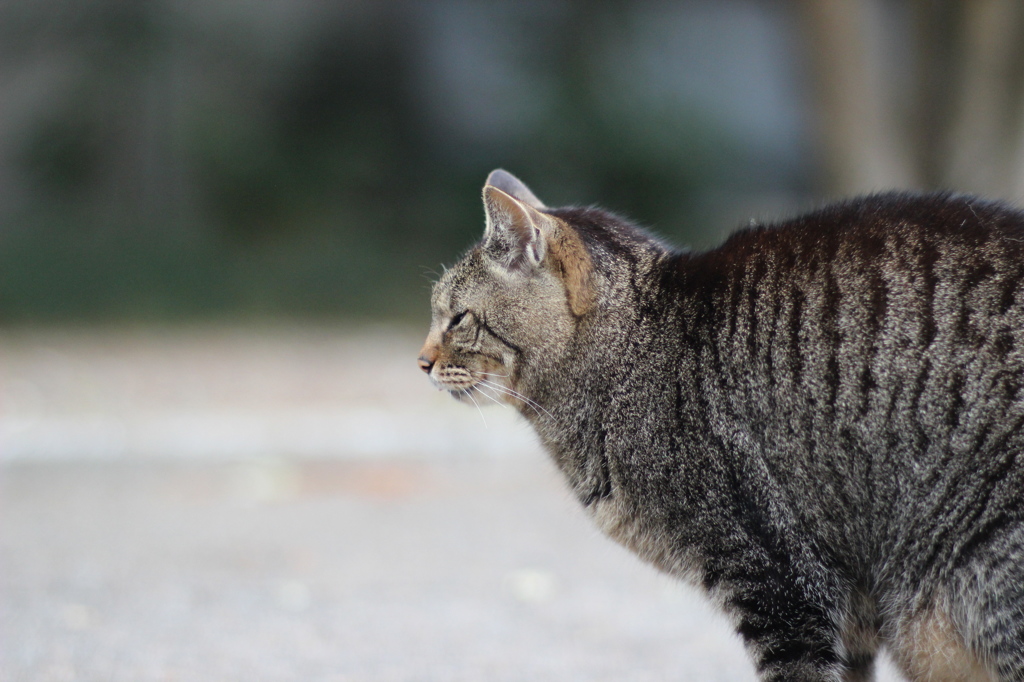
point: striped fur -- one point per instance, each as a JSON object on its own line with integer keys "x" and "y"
{"x": 818, "y": 422}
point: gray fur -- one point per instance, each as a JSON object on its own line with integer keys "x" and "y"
{"x": 818, "y": 422}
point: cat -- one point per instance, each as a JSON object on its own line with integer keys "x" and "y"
{"x": 818, "y": 423}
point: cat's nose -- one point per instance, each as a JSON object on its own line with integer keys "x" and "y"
{"x": 428, "y": 355}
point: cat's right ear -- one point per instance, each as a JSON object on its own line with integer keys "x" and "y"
{"x": 515, "y": 231}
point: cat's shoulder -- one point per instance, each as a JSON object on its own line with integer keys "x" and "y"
{"x": 601, "y": 228}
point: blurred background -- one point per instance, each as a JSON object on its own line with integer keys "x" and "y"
{"x": 170, "y": 159}
{"x": 218, "y": 226}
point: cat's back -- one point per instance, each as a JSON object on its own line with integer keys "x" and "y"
{"x": 870, "y": 352}
{"x": 886, "y": 331}
{"x": 919, "y": 267}
{"x": 904, "y": 228}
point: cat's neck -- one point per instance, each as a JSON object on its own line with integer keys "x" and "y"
{"x": 632, "y": 339}
{"x": 639, "y": 322}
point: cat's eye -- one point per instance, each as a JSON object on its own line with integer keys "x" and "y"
{"x": 456, "y": 319}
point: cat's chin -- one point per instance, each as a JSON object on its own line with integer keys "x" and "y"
{"x": 466, "y": 396}
{"x": 459, "y": 393}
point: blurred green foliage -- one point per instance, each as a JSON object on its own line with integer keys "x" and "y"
{"x": 189, "y": 165}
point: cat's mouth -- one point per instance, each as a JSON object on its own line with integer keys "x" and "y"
{"x": 481, "y": 388}
{"x": 470, "y": 386}
{"x": 452, "y": 379}
{"x": 464, "y": 395}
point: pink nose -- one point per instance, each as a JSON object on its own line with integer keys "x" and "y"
{"x": 428, "y": 355}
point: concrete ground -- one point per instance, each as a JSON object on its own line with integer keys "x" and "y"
{"x": 267, "y": 504}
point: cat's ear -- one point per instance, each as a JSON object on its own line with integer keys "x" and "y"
{"x": 520, "y": 238}
{"x": 515, "y": 230}
{"x": 514, "y": 187}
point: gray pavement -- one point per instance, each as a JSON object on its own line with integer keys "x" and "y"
{"x": 443, "y": 549}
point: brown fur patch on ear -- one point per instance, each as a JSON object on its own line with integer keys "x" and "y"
{"x": 572, "y": 263}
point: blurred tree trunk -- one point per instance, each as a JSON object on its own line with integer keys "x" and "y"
{"x": 960, "y": 124}
{"x": 985, "y": 128}
{"x": 935, "y": 38}
{"x": 858, "y": 136}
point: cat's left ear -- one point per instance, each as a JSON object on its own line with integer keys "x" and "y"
{"x": 515, "y": 232}
{"x": 522, "y": 238}
{"x": 514, "y": 187}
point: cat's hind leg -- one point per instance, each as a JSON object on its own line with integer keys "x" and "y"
{"x": 971, "y": 627}
{"x": 928, "y": 646}
{"x": 990, "y": 604}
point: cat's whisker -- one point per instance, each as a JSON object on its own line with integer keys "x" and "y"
{"x": 485, "y": 375}
{"x": 469, "y": 394}
{"x": 506, "y": 390}
{"x": 516, "y": 394}
{"x": 500, "y": 391}
{"x": 532, "y": 403}
{"x": 494, "y": 385}
{"x": 489, "y": 396}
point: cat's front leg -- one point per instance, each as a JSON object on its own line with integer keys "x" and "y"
{"x": 798, "y": 660}
{"x": 792, "y": 636}
{"x": 784, "y": 653}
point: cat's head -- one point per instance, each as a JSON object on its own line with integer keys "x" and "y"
{"x": 512, "y": 303}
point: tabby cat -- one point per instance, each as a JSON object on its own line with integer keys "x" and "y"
{"x": 817, "y": 422}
